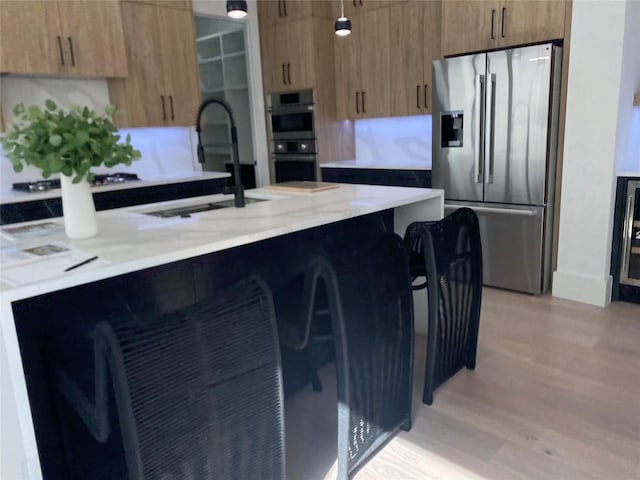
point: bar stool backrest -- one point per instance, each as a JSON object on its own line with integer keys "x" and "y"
{"x": 448, "y": 253}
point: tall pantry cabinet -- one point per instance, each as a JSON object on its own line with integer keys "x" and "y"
{"x": 297, "y": 52}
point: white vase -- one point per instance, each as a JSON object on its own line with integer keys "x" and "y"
{"x": 78, "y": 209}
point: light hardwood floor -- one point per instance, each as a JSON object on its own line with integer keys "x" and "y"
{"x": 555, "y": 395}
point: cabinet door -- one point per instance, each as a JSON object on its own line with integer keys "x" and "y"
{"x": 273, "y": 69}
{"x": 299, "y": 54}
{"x": 374, "y": 56}
{"x": 529, "y": 21}
{"x": 139, "y": 95}
{"x": 176, "y": 45}
{"x": 470, "y": 25}
{"x": 296, "y": 9}
{"x": 30, "y": 37}
{"x": 406, "y": 36}
{"x": 352, "y": 7}
{"x": 93, "y": 38}
{"x": 269, "y": 12}
{"x": 347, "y": 72}
{"x": 432, "y": 21}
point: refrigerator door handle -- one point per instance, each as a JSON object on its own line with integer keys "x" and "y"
{"x": 495, "y": 210}
{"x": 490, "y": 127}
{"x": 479, "y": 108}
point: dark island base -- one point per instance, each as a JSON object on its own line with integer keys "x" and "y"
{"x": 56, "y": 328}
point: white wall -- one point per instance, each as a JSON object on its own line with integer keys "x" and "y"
{"x": 217, "y": 8}
{"x": 603, "y": 72}
{"x": 628, "y": 140}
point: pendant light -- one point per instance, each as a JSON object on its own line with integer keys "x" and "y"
{"x": 343, "y": 24}
{"x": 237, "y": 8}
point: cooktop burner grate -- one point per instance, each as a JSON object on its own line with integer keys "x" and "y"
{"x": 52, "y": 184}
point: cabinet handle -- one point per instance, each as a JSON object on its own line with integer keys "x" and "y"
{"x": 164, "y": 110}
{"x": 493, "y": 19}
{"x": 173, "y": 117}
{"x": 418, "y": 97}
{"x": 284, "y": 74}
{"x": 280, "y": 8}
{"x": 504, "y": 11}
{"x": 364, "y": 109}
{"x": 289, "y": 72}
{"x": 357, "y": 93}
{"x": 284, "y": 7}
{"x": 61, "y": 52}
{"x": 73, "y": 58}
{"x": 426, "y": 95}
{"x": 360, "y": 2}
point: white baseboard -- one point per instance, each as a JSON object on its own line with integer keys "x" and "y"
{"x": 582, "y": 288}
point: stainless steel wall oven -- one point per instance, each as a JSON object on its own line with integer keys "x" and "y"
{"x": 294, "y": 147}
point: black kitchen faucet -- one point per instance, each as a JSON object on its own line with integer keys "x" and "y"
{"x": 238, "y": 188}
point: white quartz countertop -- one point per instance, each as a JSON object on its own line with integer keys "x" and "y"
{"x": 628, "y": 174}
{"x": 129, "y": 240}
{"x": 406, "y": 165}
{"x": 14, "y": 196}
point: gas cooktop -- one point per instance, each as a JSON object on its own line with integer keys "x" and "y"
{"x": 98, "y": 179}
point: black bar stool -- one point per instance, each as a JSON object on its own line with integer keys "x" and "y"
{"x": 448, "y": 253}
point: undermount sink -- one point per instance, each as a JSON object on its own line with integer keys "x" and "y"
{"x": 186, "y": 212}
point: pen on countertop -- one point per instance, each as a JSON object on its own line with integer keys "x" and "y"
{"x": 84, "y": 262}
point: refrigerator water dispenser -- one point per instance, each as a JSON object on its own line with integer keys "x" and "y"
{"x": 452, "y": 129}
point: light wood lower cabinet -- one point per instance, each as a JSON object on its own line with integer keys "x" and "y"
{"x": 162, "y": 87}
{"x": 62, "y": 38}
{"x": 477, "y": 25}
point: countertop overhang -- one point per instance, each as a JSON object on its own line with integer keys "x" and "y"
{"x": 129, "y": 240}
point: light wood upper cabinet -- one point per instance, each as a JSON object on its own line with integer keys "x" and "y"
{"x": 179, "y": 65}
{"x": 287, "y": 56}
{"x": 375, "y": 75}
{"x": 95, "y": 38}
{"x": 383, "y": 68}
{"x": 274, "y": 12}
{"x": 180, "y": 4}
{"x": 65, "y": 37}
{"x": 353, "y": 7}
{"x": 362, "y": 67}
{"x": 469, "y": 25}
{"x": 476, "y": 25}
{"x": 414, "y": 28}
{"x": 30, "y": 38}
{"x": 162, "y": 86}
{"x": 530, "y": 21}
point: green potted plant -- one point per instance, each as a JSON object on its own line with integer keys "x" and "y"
{"x": 69, "y": 142}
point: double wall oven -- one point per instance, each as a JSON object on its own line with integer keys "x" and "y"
{"x": 293, "y": 135}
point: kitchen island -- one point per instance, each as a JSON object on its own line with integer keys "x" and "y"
{"x": 160, "y": 261}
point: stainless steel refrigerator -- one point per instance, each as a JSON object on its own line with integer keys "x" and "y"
{"x": 495, "y": 124}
